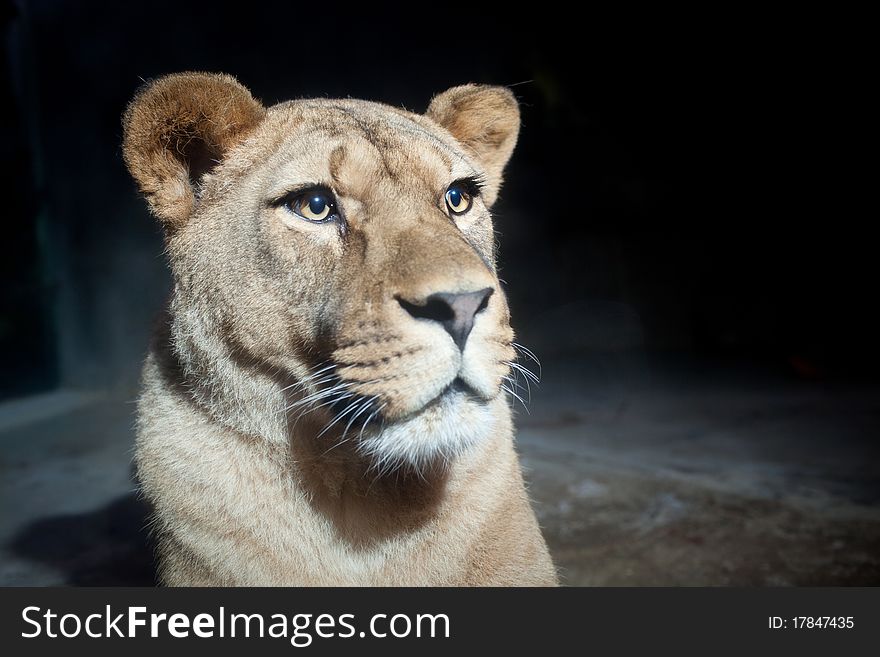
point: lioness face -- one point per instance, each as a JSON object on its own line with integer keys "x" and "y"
{"x": 345, "y": 250}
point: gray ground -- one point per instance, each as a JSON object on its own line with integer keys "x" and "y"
{"x": 652, "y": 475}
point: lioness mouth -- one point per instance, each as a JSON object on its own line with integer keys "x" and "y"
{"x": 458, "y": 387}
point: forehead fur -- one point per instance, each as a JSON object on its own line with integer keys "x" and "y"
{"x": 353, "y": 146}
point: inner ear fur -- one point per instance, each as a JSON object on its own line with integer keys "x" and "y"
{"x": 485, "y": 119}
{"x": 176, "y": 129}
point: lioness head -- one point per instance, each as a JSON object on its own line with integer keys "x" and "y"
{"x": 333, "y": 260}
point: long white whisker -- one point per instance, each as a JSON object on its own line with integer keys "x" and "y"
{"x": 368, "y": 420}
{"x": 343, "y": 439}
{"x": 526, "y": 379}
{"x": 526, "y": 371}
{"x": 309, "y": 378}
{"x": 355, "y": 404}
{"x": 318, "y": 396}
{"x": 366, "y": 405}
{"x": 511, "y": 392}
{"x": 529, "y": 354}
{"x": 514, "y": 382}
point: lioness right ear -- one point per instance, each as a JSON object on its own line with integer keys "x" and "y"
{"x": 485, "y": 120}
{"x": 177, "y": 128}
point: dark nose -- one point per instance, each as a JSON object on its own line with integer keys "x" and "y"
{"x": 455, "y": 311}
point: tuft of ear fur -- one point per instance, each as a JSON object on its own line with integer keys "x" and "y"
{"x": 176, "y": 129}
{"x": 485, "y": 120}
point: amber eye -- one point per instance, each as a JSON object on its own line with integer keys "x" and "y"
{"x": 315, "y": 205}
{"x": 458, "y": 200}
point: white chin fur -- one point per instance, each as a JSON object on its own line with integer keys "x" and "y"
{"x": 444, "y": 430}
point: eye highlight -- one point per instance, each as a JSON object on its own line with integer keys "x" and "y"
{"x": 459, "y": 198}
{"x": 316, "y": 205}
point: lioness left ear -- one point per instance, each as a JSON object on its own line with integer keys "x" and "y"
{"x": 177, "y": 129}
{"x": 485, "y": 120}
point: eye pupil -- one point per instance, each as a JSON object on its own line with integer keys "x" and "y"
{"x": 314, "y": 205}
{"x": 457, "y": 200}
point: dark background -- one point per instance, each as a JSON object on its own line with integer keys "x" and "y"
{"x": 685, "y": 183}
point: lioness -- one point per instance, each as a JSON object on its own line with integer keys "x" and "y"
{"x": 323, "y": 404}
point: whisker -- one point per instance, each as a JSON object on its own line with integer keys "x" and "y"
{"x": 318, "y": 396}
{"x": 511, "y": 392}
{"x": 309, "y": 378}
{"x": 334, "y": 399}
{"x": 528, "y": 353}
{"x": 343, "y": 439}
{"x": 526, "y": 371}
{"x": 355, "y": 404}
{"x": 516, "y": 372}
{"x": 368, "y": 420}
{"x": 513, "y": 381}
{"x": 365, "y": 406}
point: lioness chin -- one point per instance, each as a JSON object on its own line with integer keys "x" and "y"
{"x": 323, "y": 402}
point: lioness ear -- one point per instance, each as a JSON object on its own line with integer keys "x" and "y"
{"x": 177, "y": 128}
{"x": 485, "y": 120}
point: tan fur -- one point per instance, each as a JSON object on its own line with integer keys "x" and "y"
{"x": 419, "y": 483}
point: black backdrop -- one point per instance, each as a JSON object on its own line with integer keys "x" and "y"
{"x": 686, "y": 182}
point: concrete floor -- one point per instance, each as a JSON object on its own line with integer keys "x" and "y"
{"x": 641, "y": 475}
